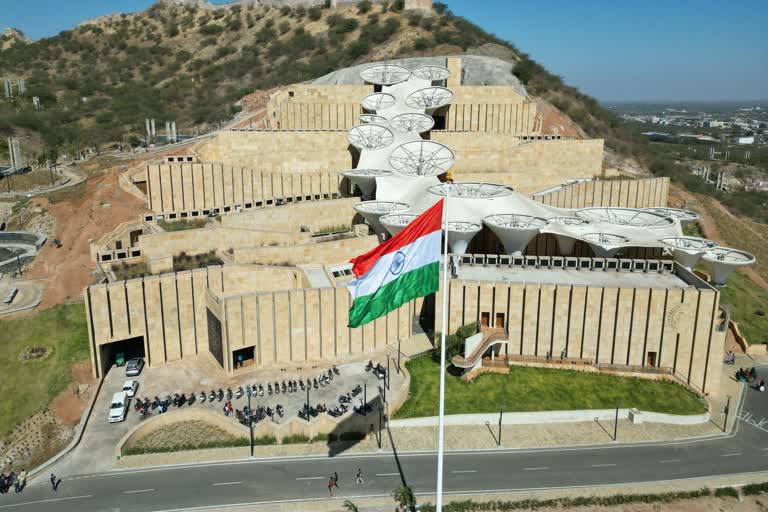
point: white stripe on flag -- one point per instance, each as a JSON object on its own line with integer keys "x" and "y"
{"x": 422, "y": 251}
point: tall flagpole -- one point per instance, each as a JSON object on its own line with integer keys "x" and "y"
{"x": 440, "y": 420}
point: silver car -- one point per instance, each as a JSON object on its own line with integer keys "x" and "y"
{"x": 134, "y": 367}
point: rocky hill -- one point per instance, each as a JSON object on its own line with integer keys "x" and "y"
{"x": 192, "y": 62}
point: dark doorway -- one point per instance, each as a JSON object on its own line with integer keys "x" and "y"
{"x": 651, "y": 359}
{"x": 243, "y": 357}
{"x": 499, "y": 320}
{"x": 130, "y": 348}
{"x": 485, "y": 319}
{"x": 427, "y": 314}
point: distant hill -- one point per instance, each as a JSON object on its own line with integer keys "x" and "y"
{"x": 186, "y": 61}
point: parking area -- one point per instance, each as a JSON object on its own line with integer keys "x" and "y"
{"x": 95, "y": 453}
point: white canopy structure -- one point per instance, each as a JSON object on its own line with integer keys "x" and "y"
{"x": 687, "y": 250}
{"x": 515, "y": 231}
{"x": 406, "y": 169}
{"x": 723, "y": 261}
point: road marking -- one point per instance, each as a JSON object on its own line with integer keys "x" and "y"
{"x": 535, "y": 469}
{"x": 465, "y": 471}
{"x": 731, "y": 454}
{"x": 387, "y": 474}
{"x": 311, "y": 478}
{"x": 138, "y": 491}
{"x": 602, "y": 465}
{"x": 668, "y": 461}
{"x": 46, "y": 501}
{"x": 228, "y": 483}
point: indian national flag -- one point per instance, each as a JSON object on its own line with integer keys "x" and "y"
{"x": 404, "y": 267}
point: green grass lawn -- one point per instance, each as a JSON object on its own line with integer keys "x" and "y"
{"x": 26, "y": 388}
{"x": 540, "y": 389}
{"x": 748, "y": 304}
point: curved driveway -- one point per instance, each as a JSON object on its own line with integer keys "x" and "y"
{"x": 297, "y": 479}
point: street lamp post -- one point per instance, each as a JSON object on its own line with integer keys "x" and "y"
{"x": 250, "y": 422}
{"x": 307, "y": 408}
{"x": 365, "y": 397}
{"x": 398, "y": 356}
{"x": 386, "y": 377}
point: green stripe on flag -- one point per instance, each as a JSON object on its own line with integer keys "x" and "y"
{"x": 416, "y": 283}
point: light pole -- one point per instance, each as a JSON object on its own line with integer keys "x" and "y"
{"x": 398, "y": 356}
{"x": 616, "y": 424}
{"x": 727, "y": 410}
{"x": 501, "y": 413}
{"x": 250, "y": 422}
{"x": 307, "y": 408}
{"x": 365, "y": 397}
{"x": 386, "y": 377}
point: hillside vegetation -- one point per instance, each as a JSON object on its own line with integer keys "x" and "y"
{"x": 98, "y": 82}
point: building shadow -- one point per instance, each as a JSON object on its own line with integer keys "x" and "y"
{"x": 355, "y": 426}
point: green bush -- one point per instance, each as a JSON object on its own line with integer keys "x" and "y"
{"x": 264, "y": 440}
{"x": 314, "y": 13}
{"x": 211, "y": 29}
{"x": 364, "y": 6}
{"x": 296, "y": 439}
{"x": 726, "y": 492}
{"x": 753, "y": 489}
{"x": 465, "y": 331}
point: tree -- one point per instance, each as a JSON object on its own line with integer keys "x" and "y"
{"x": 364, "y": 6}
{"x": 315, "y": 13}
{"x": 404, "y": 496}
{"x": 284, "y": 27}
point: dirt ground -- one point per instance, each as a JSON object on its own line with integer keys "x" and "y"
{"x": 82, "y": 214}
{"x": 70, "y": 404}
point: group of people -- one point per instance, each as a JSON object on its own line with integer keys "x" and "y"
{"x": 18, "y": 482}
{"x": 333, "y": 482}
{"x": 750, "y": 375}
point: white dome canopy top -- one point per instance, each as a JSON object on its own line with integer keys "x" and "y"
{"x": 429, "y": 98}
{"x": 605, "y": 239}
{"x": 624, "y": 217}
{"x": 569, "y": 221}
{"x": 675, "y": 213}
{"x": 385, "y": 74}
{"x": 395, "y": 222}
{"x": 370, "y": 136}
{"x": 687, "y": 250}
{"x": 475, "y": 190}
{"x": 373, "y": 118}
{"x": 688, "y": 243}
{"x": 515, "y": 221}
{"x": 431, "y": 73}
{"x": 421, "y": 158}
{"x": 380, "y": 207}
{"x": 724, "y": 260}
{"x": 378, "y": 101}
{"x": 412, "y": 122}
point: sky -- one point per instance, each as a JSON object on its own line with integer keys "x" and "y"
{"x": 639, "y": 50}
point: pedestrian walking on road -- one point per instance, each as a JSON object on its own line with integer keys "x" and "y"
{"x": 336, "y": 479}
{"x": 331, "y": 485}
{"x": 55, "y": 482}
{"x": 359, "y": 476}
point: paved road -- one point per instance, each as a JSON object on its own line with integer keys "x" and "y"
{"x": 286, "y": 479}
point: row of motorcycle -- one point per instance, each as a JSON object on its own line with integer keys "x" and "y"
{"x": 145, "y": 406}
{"x": 309, "y": 411}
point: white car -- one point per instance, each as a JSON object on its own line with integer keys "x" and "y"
{"x": 130, "y": 387}
{"x": 118, "y": 407}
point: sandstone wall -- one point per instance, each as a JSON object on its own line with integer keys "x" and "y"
{"x": 326, "y": 253}
{"x": 314, "y": 215}
{"x": 618, "y": 326}
{"x": 644, "y": 193}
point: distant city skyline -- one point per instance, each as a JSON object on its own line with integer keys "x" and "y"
{"x": 683, "y": 51}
